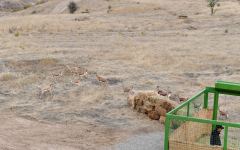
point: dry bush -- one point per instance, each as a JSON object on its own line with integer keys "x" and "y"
{"x": 48, "y": 61}
{"x": 27, "y": 6}
{"x": 7, "y": 76}
{"x": 51, "y": 24}
{"x": 41, "y": 2}
{"x": 17, "y": 34}
{"x": 27, "y": 80}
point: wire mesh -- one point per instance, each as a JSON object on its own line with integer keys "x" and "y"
{"x": 229, "y": 107}
{"x": 187, "y": 135}
{"x": 234, "y": 138}
{"x": 196, "y": 106}
{"x": 183, "y": 111}
{"x": 192, "y": 108}
{"x": 210, "y": 100}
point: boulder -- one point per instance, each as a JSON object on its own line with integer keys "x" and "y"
{"x": 151, "y": 103}
{"x": 153, "y": 115}
{"x": 161, "y": 111}
{"x": 147, "y": 107}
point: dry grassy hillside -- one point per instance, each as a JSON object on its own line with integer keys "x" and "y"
{"x": 142, "y": 43}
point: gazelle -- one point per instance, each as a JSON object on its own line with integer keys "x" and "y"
{"x": 197, "y": 106}
{"x": 47, "y": 89}
{"x": 223, "y": 114}
{"x": 127, "y": 89}
{"x": 161, "y": 92}
{"x": 101, "y": 79}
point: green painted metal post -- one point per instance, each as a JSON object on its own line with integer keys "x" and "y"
{"x": 167, "y": 130}
{"x": 205, "y": 100}
{"x": 225, "y": 146}
{"x": 215, "y": 105}
{"x": 188, "y": 105}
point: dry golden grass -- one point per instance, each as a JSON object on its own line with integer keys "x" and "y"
{"x": 7, "y": 76}
{"x": 48, "y": 24}
{"x": 133, "y": 9}
{"x": 48, "y": 61}
{"x": 143, "y": 44}
{"x": 26, "y": 80}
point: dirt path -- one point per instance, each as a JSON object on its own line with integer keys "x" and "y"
{"x": 150, "y": 141}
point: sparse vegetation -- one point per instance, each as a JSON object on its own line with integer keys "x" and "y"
{"x": 212, "y": 4}
{"x": 17, "y": 34}
{"x": 40, "y": 2}
{"x": 26, "y": 80}
{"x": 34, "y": 12}
{"x": 72, "y": 6}
{"x": 48, "y": 61}
{"x": 27, "y": 6}
{"x": 7, "y": 76}
{"x": 18, "y": 5}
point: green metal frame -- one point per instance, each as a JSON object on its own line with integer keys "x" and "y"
{"x": 221, "y": 87}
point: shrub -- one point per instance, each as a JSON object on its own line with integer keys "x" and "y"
{"x": 7, "y": 76}
{"x": 48, "y": 61}
{"x": 17, "y": 34}
{"x": 27, "y": 6}
{"x": 40, "y": 2}
{"x": 34, "y": 12}
{"x": 72, "y": 6}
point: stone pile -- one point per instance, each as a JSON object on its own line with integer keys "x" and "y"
{"x": 152, "y": 104}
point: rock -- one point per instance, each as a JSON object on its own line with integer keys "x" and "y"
{"x": 143, "y": 110}
{"x": 139, "y": 102}
{"x": 161, "y": 111}
{"x": 151, "y": 103}
{"x": 168, "y": 106}
{"x": 153, "y": 115}
{"x": 146, "y": 108}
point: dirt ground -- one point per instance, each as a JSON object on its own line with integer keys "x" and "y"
{"x": 142, "y": 43}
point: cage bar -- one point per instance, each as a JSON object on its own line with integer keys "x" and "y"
{"x": 190, "y": 125}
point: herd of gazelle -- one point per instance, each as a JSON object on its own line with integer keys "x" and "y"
{"x": 76, "y": 72}
{"x": 81, "y": 72}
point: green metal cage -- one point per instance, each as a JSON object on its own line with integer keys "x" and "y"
{"x": 188, "y": 126}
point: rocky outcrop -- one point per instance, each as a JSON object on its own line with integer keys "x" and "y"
{"x": 152, "y": 104}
